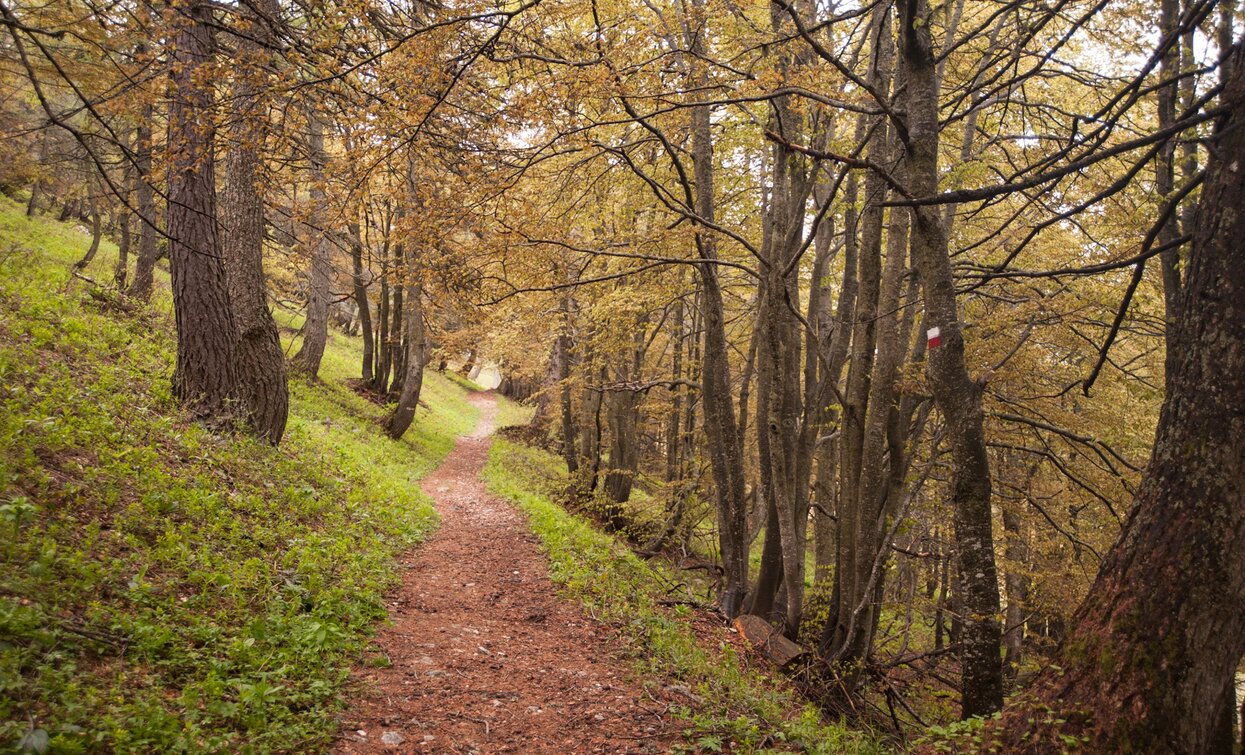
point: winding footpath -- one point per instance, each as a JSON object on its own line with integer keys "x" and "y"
{"x": 484, "y": 655}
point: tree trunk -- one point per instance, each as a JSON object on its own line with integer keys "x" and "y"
{"x": 725, "y": 452}
{"x": 260, "y": 361}
{"x": 397, "y": 334}
{"x": 316, "y": 325}
{"x": 848, "y": 636}
{"x": 384, "y": 346}
{"x": 124, "y": 217}
{"x": 1153, "y": 648}
{"x": 360, "y": 298}
{"x": 413, "y": 380}
{"x": 36, "y": 188}
{"x": 148, "y": 231}
{"x": 1017, "y": 582}
{"x": 570, "y": 431}
{"x": 621, "y": 415}
{"x": 1165, "y": 168}
{"x": 205, "y": 378}
{"x": 957, "y": 395}
{"x": 97, "y": 234}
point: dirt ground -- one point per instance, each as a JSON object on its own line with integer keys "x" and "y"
{"x": 484, "y": 654}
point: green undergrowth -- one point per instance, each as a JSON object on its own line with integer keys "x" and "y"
{"x": 730, "y": 707}
{"x": 162, "y": 588}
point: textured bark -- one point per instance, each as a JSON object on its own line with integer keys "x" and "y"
{"x": 1154, "y": 647}
{"x": 957, "y": 395}
{"x": 148, "y": 231}
{"x": 833, "y": 341}
{"x": 397, "y": 331}
{"x": 260, "y": 361}
{"x": 205, "y": 379}
{"x": 316, "y": 325}
{"x": 416, "y": 357}
{"x": 621, "y": 414}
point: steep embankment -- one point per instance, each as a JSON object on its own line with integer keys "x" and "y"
{"x": 162, "y": 588}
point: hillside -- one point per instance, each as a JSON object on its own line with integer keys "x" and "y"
{"x": 163, "y": 588}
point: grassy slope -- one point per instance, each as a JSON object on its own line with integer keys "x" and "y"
{"x": 739, "y": 708}
{"x": 161, "y": 588}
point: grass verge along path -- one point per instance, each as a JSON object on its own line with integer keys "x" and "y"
{"x": 484, "y": 654}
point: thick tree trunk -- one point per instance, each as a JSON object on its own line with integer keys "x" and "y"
{"x": 957, "y": 395}
{"x": 260, "y": 361}
{"x": 316, "y": 325}
{"x": 1154, "y": 646}
{"x": 397, "y": 333}
{"x": 674, "y": 446}
{"x": 205, "y": 379}
{"x": 725, "y": 454}
{"x": 621, "y": 414}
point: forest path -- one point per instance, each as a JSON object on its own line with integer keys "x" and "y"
{"x": 485, "y": 655}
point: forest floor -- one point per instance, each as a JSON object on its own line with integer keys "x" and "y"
{"x": 483, "y": 654}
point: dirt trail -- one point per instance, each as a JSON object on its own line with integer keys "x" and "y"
{"x": 485, "y": 656}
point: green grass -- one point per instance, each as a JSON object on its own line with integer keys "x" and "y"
{"x": 162, "y": 588}
{"x": 741, "y": 709}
